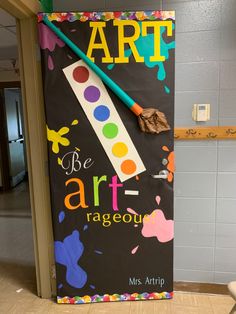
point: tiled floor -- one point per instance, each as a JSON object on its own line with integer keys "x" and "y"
{"x": 18, "y": 283}
{"x": 13, "y": 278}
{"x": 16, "y": 238}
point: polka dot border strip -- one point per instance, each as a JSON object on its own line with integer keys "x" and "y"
{"x": 107, "y": 16}
{"x": 115, "y": 297}
{"x": 105, "y": 120}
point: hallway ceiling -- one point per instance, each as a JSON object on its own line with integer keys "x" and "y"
{"x": 8, "y": 42}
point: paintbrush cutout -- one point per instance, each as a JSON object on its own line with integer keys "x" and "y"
{"x": 150, "y": 120}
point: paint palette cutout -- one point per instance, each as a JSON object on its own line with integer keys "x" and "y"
{"x": 105, "y": 120}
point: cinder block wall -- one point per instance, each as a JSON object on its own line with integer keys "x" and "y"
{"x": 205, "y": 181}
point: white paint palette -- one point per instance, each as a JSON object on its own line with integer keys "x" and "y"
{"x": 105, "y": 120}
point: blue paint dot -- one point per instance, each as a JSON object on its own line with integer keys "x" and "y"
{"x": 92, "y": 286}
{"x": 60, "y": 286}
{"x": 61, "y": 216}
{"x": 101, "y": 113}
{"x": 85, "y": 227}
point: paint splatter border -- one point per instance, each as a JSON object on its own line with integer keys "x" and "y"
{"x": 107, "y": 16}
{"x": 115, "y": 297}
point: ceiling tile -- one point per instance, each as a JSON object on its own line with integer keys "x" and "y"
{"x": 6, "y": 19}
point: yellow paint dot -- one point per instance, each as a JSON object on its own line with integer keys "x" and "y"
{"x": 59, "y": 161}
{"x": 119, "y": 149}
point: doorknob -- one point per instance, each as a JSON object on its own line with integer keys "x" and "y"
{"x": 163, "y": 174}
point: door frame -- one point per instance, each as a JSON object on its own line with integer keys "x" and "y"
{"x": 36, "y": 144}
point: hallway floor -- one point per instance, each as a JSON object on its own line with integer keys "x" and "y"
{"x": 13, "y": 278}
{"x": 18, "y": 282}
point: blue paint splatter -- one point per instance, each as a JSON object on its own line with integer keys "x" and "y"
{"x": 60, "y": 286}
{"x": 61, "y": 216}
{"x": 148, "y": 41}
{"x": 98, "y": 252}
{"x": 68, "y": 254}
{"x": 92, "y": 286}
{"x": 85, "y": 227}
{"x": 167, "y": 90}
{"x": 110, "y": 66}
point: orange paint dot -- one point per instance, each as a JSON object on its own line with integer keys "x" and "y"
{"x": 137, "y": 178}
{"x": 128, "y": 167}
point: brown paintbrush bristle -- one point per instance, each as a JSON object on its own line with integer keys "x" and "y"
{"x": 153, "y": 121}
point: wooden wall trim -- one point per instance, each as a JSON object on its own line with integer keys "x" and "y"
{"x": 206, "y": 133}
{"x": 211, "y": 288}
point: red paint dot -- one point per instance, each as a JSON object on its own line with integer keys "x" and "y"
{"x": 80, "y": 74}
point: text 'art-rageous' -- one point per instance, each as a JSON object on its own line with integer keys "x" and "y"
{"x": 109, "y": 98}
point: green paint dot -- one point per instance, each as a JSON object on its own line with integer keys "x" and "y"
{"x": 110, "y": 130}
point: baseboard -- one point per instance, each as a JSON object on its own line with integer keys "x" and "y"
{"x": 211, "y": 288}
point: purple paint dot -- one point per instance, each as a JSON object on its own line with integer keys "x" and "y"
{"x": 92, "y": 94}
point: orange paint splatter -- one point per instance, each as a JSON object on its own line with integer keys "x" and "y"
{"x": 137, "y": 178}
{"x": 165, "y": 148}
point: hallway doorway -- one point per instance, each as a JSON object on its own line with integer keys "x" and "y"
{"x": 17, "y": 263}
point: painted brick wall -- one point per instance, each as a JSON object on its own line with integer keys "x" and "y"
{"x": 205, "y": 182}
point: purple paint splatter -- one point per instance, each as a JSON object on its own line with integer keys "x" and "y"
{"x": 47, "y": 39}
{"x": 50, "y": 63}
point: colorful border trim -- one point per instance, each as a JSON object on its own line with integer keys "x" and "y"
{"x": 115, "y": 297}
{"x": 107, "y": 16}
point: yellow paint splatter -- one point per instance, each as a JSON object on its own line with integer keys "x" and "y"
{"x": 56, "y": 137}
{"x": 78, "y": 149}
{"x": 75, "y": 122}
{"x": 59, "y": 161}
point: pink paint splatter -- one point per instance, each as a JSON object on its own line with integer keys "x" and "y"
{"x": 156, "y": 225}
{"x": 158, "y": 199}
{"x": 135, "y": 249}
{"x": 48, "y": 40}
{"x": 131, "y": 211}
{"x": 50, "y": 63}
